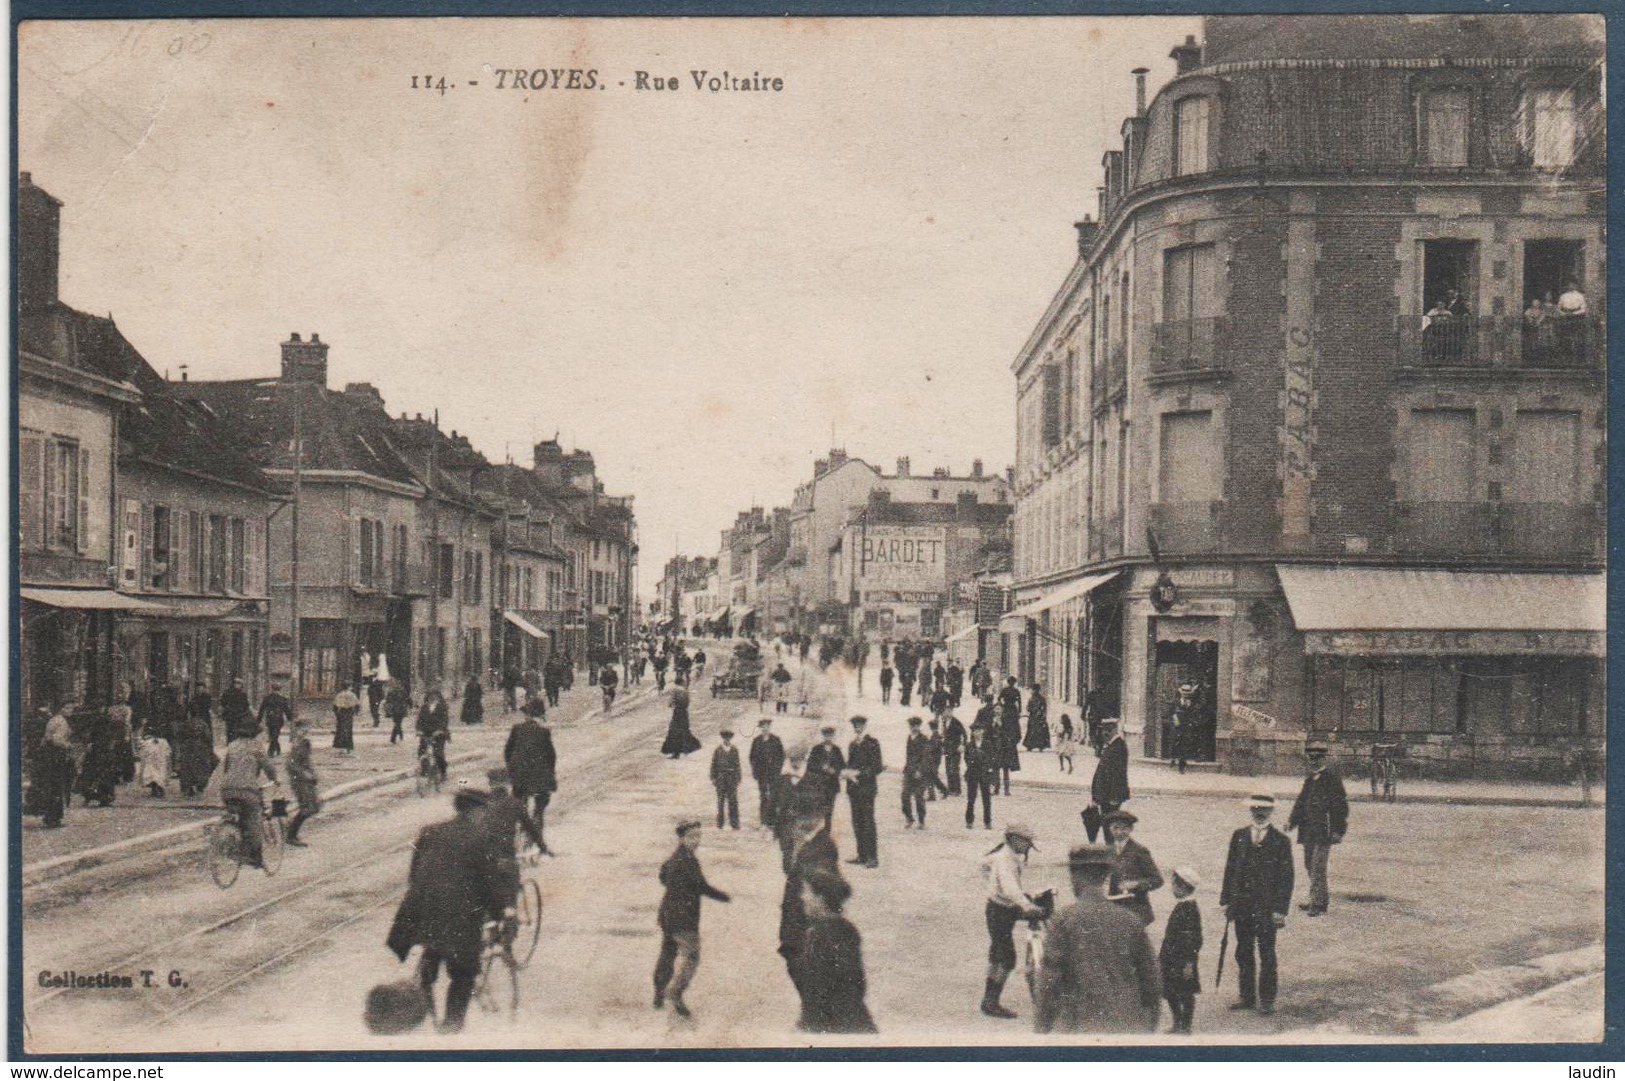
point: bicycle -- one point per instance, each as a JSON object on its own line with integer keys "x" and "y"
{"x": 1384, "y": 770}
{"x": 527, "y": 911}
{"x": 225, "y": 848}
{"x": 498, "y": 981}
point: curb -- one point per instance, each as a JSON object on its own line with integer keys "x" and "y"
{"x": 35, "y": 873}
{"x": 1466, "y": 800}
{"x": 57, "y": 866}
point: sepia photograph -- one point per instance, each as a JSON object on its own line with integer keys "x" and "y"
{"x": 518, "y": 519}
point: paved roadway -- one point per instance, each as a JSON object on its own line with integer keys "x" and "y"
{"x": 1422, "y": 894}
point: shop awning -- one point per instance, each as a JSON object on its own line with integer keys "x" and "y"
{"x": 98, "y": 600}
{"x": 744, "y": 614}
{"x": 522, "y": 623}
{"x": 960, "y": 636}
{"x": 717, "y": 615}
{"x": 1060, "y": 595}
{"x": 1380, "y": 610}
{"x": 196, "y": 608}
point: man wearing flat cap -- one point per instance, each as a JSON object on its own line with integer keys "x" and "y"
{"x": 454, "y": 886}
{"x": 1256, "y": 895}
{"x": 1099, "y": 974}
{"x": 863, "y": 767}
{"x": 824, "y": 765}
{"x": 1321, "y": 817}
{"x": 680, "y": 918}
{"x": 766, "y": 763}
{"x": 1134, "y": 873}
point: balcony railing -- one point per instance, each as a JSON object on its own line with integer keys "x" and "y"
{"x": 1191, "y": 527}
{"x": 1444, "y": 528}
{"x": 1560, "y": 530}
{"x": 1188, "y": 345}
{"x": 1501, "y": 341}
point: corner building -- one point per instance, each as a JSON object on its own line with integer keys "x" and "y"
{"x": 1294, "y": 431}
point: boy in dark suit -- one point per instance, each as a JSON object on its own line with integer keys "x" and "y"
{"x": 1181, "y": 946}
{"x": 725, "y": 776}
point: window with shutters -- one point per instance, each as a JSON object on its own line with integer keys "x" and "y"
{"x": 1549, "y": 127}
{"x": 400, "y": 558}
{"x": 448, "y": 571}
{"x": 218, "y": 553}
{"x": 1191, "y": 122}
{"x": 1440, "y": 456}
{"x": 1445, "y": 114}
{"x": 1190, "y": 459}
{"x": 130, "y": 546}
{"x": 254, "y": 575}
{"x": 368, "y": 569}
{"x": 160, "y": 563}
{"x": 31, "y": 503}
{"x": 1546, "y": 457}
{"x": 198, "y": 532}
{"x": 65, "y": 497}
{"x": 1052, "y": 405}
{"x": 239, "y": 555}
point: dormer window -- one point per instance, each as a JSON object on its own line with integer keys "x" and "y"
{"x": 1549, "y": 126}
{"x": 1445, "y": 114}
{"x": 1192, "y": 117}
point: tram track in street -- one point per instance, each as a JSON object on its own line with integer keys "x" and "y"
{"x": 255, "y": 939}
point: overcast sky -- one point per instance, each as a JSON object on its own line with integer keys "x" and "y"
{"x": 698, "y": 287}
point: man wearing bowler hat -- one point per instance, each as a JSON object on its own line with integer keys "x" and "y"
{"x": 1321, "y": 817}
{"x": 1099, "y": 974}
{"x": 1256, "y": 895}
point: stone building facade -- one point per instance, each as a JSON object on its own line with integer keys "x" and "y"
{"x": 1300, "y": 339}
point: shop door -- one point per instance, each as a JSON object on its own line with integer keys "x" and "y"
{"x": 1180, "y": 663}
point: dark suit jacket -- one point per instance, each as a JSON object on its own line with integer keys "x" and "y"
{"x": 685, "y": 884}
{"x": 1099, "y": 974}
{"x": 1258, "y": 878}
{"x": 766, "y": 758}
{"x": 530, "y": 757}
{"x": 725, "y": 772}
{"x": 1321, "y": 814}
{"x": 982, "y": 763}
{"x": 1109, "y": 786}
{"x": 818, "y": 852}
{"x": 1135, "y": 862}
{"x": 824, "y": 765}
{"x": 864, "y": 757}
{"x": 832, "y": 980}
{"x": 455, "y": 884}
{"x": 917, "y": 757}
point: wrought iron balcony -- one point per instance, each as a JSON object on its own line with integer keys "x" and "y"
{"x": 1501, "y": 341}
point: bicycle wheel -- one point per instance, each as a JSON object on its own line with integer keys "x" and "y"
{"x": 529, "y": 905}
{"x": 224, "y": 856}
{"x": 498, "y": 989}
{"x": 425, "y": 777}
{"x": 271, "y": 847}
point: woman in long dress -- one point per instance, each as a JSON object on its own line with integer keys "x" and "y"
{"x": 98, "y": 777}
{"x": 473, "y": 701}
{"x": 679, "y": 739}
{"x": 195, "y": 758}
{"x": 1037, "y": 721}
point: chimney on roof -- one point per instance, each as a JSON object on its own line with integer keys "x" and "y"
{"x": 940, "y": 473}
{"x": 39, "y": 245}
{"x": 1087, "y": 228}
{"x": 902, "y": 467}
{"x": 1187, "y": 57}
{"x": 976, "y": 468}
{"x": 304, "y": 362}
{"x": 365, "y": 392}
{"x": 1139, "y": 90}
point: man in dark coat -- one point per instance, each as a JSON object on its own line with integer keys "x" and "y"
{"x": 981, "y": 776}
{"x": 863, "y": 765}
{"x": 725, "y": 776}
{"x": 886, "y": 677}
{"x": 454, "y": 887}
{"x": 917, "y": 773}
{"x": 1134, "y": 872}
{"x": 1099, "y": 974}
{"x": 1256, "y": 895}
{"x": 953, "y": 745}
{"x": 956, "y": 684}
{"x": 1321, "y": 817}
{"x": 1108, "y": 789}
{"x": 833, "y": 984}
{"x": 275, "y": 711}
{"x": 905, "y": 677}
{"x": 504, "y": 817}
{"x": 797, "y": 795}
{"x": 236, "y": 713}
{"x": 824, "y": 765}
{"x": 811, "y": 849}
{"x": 766, "y": 763}
{"x": 531, "y": 762}
{"x": 680, "y": 918}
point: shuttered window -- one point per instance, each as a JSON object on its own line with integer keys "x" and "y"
{"x": 1189, "y": 468}
{"x": 130, "y": 546}
{"x": 31, "y": 489}
{"x": 1191, "y": 120}
{"x": 1545, "y": 457}
{"x": 1444, "y": 128}
{"x": 1440, "y": 456}
{"x": 1550, "y": 127}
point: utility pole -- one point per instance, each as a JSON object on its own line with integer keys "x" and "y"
{"x": 432, "y": 634}
{"x": 298, "y": 475}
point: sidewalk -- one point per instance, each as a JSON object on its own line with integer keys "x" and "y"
{"x": 136, "y": 816}
{"x": 1150, "y": 777}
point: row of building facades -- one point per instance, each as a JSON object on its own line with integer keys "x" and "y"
{"x": 891, "y": 556}
{"x": 191, "y": 532}
{"x": 1317, "y": 422}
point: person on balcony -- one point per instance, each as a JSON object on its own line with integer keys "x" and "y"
{"x": 1539, "y": 328}
{"x": 1571, "y": 322}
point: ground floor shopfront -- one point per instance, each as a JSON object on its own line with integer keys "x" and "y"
{"x": 1472, "y": 673}
{"x": 196, "y": 642}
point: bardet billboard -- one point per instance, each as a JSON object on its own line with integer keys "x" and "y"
{"x": 904, "y": 558}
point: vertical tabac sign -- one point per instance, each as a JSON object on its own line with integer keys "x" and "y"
{"x": 1298, "y": 394}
